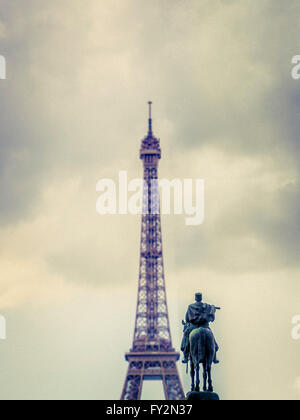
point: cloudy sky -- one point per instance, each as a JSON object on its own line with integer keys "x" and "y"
{"x": 79, "y": 74}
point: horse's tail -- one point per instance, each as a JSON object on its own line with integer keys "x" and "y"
{"x": 197, "y": 346}
{"x": 202, "y": 346}
{"x": 209, "y": 347}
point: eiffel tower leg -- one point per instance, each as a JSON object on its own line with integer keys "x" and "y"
{"x": 173, "y": 387}
{"x": 132, "y": 387}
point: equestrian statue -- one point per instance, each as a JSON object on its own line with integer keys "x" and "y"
{"x": 198, "y": 344}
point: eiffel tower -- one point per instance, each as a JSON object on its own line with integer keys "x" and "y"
{"x": 152, "y": 356}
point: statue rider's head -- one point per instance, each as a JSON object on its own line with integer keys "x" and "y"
{"x": 198, "y": 297}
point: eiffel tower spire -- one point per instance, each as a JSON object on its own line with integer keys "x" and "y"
{"x": 150, "y": 119}
{"x": 152, "y": 355}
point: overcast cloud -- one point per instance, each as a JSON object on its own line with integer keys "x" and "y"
{"x": 74, "y": 111}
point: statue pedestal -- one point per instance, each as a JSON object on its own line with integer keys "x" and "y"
{"x": 202, "y": 396}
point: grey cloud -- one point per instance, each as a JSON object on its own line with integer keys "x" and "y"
{"x": 79, "y": 77}
{"x": 21, "y": 160}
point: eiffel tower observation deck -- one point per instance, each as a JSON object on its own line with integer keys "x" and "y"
{"x": 152, "y": 356}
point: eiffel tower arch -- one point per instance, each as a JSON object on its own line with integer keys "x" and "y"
{"x": 152, "y": 356}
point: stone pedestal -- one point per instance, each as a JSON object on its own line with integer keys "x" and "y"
{"x": 202, "y": 396}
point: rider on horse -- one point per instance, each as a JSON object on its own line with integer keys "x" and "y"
{"x": 197, "y": 314}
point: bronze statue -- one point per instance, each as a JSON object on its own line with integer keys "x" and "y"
{"x": 199, "y": 344}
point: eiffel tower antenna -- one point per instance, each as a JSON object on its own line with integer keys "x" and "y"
{"x": 150, "y": 119}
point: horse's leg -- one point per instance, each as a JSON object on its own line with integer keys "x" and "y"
{"x": 204, "y": 376}
{"x": 198, "y": 377}
{"x": 192, "y": 376}
{"x": 210, "y": 385}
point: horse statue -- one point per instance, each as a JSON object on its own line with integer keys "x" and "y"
{"x": 202, "y": 351}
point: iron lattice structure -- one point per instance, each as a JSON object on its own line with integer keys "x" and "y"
{"x": 152, "y": 356}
